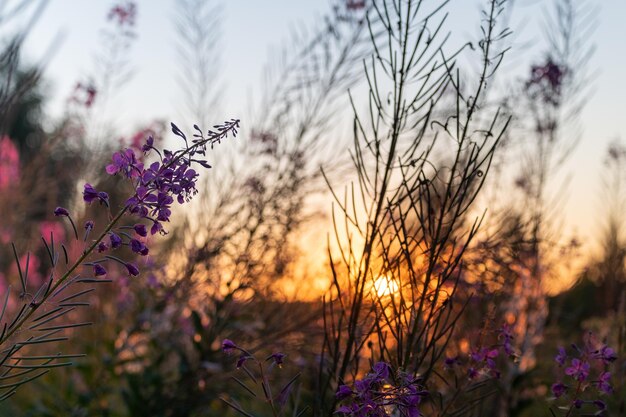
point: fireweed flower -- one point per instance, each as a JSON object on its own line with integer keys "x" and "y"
{"x": 60, "y": 211}
{"x": 558, "y": 389}
{"x": 102, "y": 247}
{"x": 277, "y": 357}
{"x": 605, "y": 354}
{"x": 242, "y": 359}
{"x": 170, "y": 179}
{"x": 583, "y": 389}
{"x": 149, "y": 145}
{"x": 116, "y": 241}
{"x": 377, "y": 393}
{"x": 561, "y": 356}
{"x": 604, "y": 384}
{"x": 141, "y": 230}
{"x": 579, "y": 369}
{"x": 138, "y": 247}
{"x": 506, "y": 335}
{"x": 343, "y": 391}
{"x": 98, "y": 270}
{"x": 90, "y": 194}
{"x": 228, "y": 346}
{"x": 132, "y": 269}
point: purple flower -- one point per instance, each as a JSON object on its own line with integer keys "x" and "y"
{"x": 558, "y": 389}
{"x": 605, "y": 354}
{"x": 228, "y": 346}
{"x": 132, "y": 269}
{"x": 561, "y": 357}
{"x": 89, "y": 225}
{"x": 507, "y": 335}
{"x": 102, "y": 247}
{"x": 343, "y": 391}
{"x": 148, "y": 145}
{"x": 600, "y": 404}
{"x": 375, "y": 393}
{"x": 278, "y": 358}
{"x": 60, "y": 211}
{"x": 90, "y": 194}
{"x": 490, "y": 358}
{"x": 126, "y": 163}
{"x": 604, "y": 383}
{"x": 450, "y": 362}
{"x": 138, "y": 247}
{"x": 98, "y": 270}
{"x": 116, "y": 241}
{"x": 140, "y": 229}
{"x": 242, "y": 359}
{"x": 578, "y": 369}
{"x": 381, "y": 370}
{"x": 156, "y": 228}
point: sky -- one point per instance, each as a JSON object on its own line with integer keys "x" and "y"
{"x": 253, "y": 28}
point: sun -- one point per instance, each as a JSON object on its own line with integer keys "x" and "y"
{"x": 384, "y": 286}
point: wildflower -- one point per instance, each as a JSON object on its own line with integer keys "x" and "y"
{"x": 124, "y": 14}
{"x": 138, "y": 247}
{"x": 507, "y": 335}
{"x": 604, "y": 384}
{"x": 116, "y": 241}
{"x": 579, "y": 369}
{"x": 9, "y": 163}
{"x": 141, "y": 230}
{"x": 159, "y": 184}
{"x": 132, "y": 269}
{"x": 376, "y": 393}
{"x": 278, "y": 358}
{"x": 98, "y": 270}
{"x": 60, "y": 211}
{"x": 605, "y": 354}
{"x": 343, "y": 391}
{"x": 125, "y": 162}
{"x": 558, "y": 389}
{"x": 52, "y": 228}
{"x": 228, "y": 346}
{"x": 242, "y": 359}
{"x": 148, "y": 145}
{"x": 561, "y": 356}
{"x": 600, "y": 404}
{"x": 102, "y": 247}
{"x": 90, "y": 194}
{"x": 450, "y": 362}
{"x": 381, "y": 370}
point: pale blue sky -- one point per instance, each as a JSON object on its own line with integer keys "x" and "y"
{"x": 252, "y": 27}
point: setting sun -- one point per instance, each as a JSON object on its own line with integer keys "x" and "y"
{"x": 384, "y": 286}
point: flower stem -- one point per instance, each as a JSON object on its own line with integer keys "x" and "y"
{"x": 35, "y": 306}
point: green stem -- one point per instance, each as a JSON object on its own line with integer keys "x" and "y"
{"x": 35, "y": 306}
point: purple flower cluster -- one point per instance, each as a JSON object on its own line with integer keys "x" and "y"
{"x": 156, "y": 187}
{"x": 380, "y": 394}
{"x": 483, "y": 360}
{"x": 586, "y": 375}
{"x": 171, "y": 178}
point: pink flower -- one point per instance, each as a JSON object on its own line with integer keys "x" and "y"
{"x": 54, "y": 228}
{"x": 9, "y": 163}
